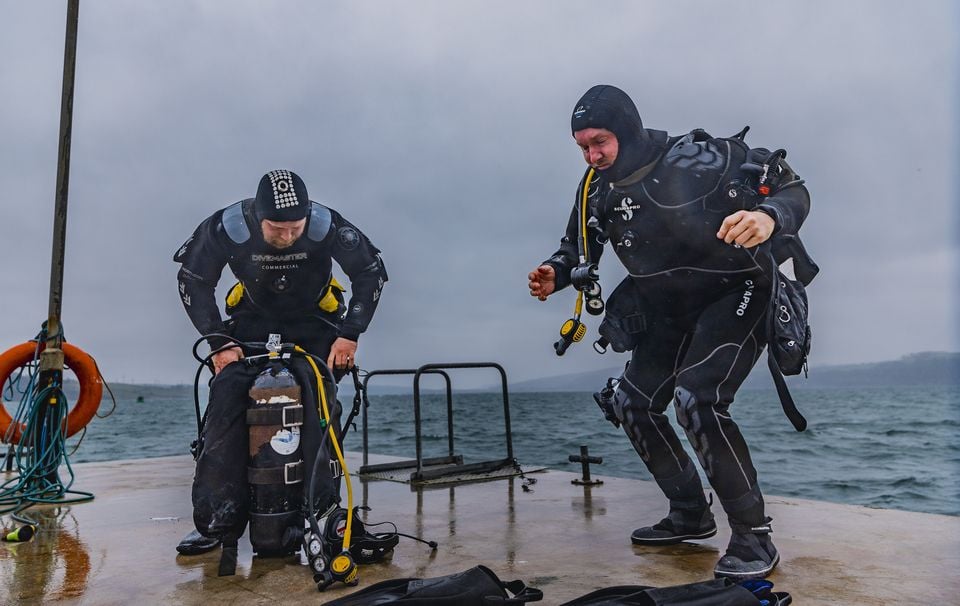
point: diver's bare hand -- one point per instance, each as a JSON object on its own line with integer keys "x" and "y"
{"x": 747, "y": 228}
{"x": 342, "y": 353}
{"x": 228, "y": 356}
{"x": 543, "y": 282}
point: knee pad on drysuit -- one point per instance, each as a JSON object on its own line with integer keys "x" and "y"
{"x": 691, "y": 414}
{"x": 688, "y": 410}
{"x": 651, "y": 434}
{"x": 696, "y": 417}
{"x": 631, "y": 409}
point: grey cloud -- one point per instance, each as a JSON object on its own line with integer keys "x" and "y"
{"x": 441, "y": 129}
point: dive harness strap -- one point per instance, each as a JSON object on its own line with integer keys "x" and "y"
{"x": 786, "y": 400}
{"x": 291, "y": 473}
{"x": 634, "y": 323}
{"x": 228, "y": 559}
{"x": 288, "y": 416}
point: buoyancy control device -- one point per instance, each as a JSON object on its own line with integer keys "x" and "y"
{"x": 295, "y": 465}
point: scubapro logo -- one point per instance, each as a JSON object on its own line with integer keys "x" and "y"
{"x": 579, "y": 111}
{"x": 626, "y": 208}
{"x": 742, "y": 308}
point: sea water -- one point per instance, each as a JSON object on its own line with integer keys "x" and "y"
{"x": 878, "y": 447}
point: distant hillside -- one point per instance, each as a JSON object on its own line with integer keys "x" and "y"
{"x": 925, "y": 368}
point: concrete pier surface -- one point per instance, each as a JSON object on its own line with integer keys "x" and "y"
{"x": 564, "y": 539}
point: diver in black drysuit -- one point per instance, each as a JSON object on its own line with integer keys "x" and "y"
{"x": 660, "y": 205}
{"x": 289, "y": 291}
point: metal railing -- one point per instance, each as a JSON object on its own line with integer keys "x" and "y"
{"x": 451, "y": 464}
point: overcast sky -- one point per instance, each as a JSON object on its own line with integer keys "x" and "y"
{"x": 442, "y": 130}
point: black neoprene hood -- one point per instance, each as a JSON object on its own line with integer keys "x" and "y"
{"x": 282, "y": 196}
{"x": 606, "y": 106}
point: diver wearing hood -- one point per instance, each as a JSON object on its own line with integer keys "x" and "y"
{"x": 691, "y": 248}
{"x": 280, "y": 246}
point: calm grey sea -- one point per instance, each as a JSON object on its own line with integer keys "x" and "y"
{"x": 879, "y": 447}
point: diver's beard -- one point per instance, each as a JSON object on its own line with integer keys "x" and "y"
{"x": 280, "y": 245}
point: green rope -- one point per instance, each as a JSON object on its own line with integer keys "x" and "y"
{"x": 41, "y": 449}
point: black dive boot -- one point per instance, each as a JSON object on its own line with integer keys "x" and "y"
{"x": 750, "y": 554}
{"x": 195, "y": 543}
{"x": 685, "y": 522}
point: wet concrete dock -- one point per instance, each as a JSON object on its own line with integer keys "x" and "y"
{"x": 565, "y": 539}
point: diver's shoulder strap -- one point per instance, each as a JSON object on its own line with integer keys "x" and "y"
{"x": 789, "y": 246}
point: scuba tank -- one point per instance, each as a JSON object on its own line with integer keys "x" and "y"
{"x": 275, "y": 468}
{"x": 295, "y": 464}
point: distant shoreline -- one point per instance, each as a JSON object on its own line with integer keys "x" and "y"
{"x": 917, "y": 369}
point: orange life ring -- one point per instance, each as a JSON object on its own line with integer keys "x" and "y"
{"x": 82, "y": 365}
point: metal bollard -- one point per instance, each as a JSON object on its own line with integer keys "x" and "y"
{"x": 585, "y": 459}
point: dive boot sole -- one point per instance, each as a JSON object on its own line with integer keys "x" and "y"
{"x": 678, "y": 538}
{"x": 746, "y": 576}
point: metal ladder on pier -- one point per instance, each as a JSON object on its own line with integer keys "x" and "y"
{"x": 446, "y": 469}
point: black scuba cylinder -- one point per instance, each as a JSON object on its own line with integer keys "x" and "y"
{"x": 275, "y": 468}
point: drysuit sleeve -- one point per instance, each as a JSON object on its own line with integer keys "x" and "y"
{"x": 360, "y": 260}
{"x": 790, "y": 202}
{"x": 202, "y": 259}
{"x": 567, "y": 256}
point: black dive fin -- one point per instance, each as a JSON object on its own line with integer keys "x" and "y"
{"x": 478, "y": 586}
{"x": 718, "y": 592}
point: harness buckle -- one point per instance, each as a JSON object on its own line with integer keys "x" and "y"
{"x": 293, "y": 422}
{"x": 273, "y": 343}
{"x": 289, "y": 475}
